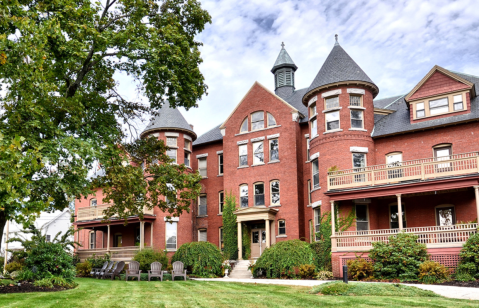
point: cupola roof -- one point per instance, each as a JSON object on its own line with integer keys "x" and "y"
{"x": 169, "y": 119}
{"x": 283, "y": 60}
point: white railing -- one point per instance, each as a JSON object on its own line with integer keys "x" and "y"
{"x": 96, "y": 212}
{"x": 419, "y": 169}
{"x": 435, "y": 236}
{"x": 117, "y": 253}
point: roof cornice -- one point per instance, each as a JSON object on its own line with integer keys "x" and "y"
{"x": 311, "y": 93}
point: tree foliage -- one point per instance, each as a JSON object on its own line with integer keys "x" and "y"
{"x": 230, "y": 227}
{"x": 201, "y": 259}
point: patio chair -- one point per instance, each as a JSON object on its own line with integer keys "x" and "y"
{"x": 108, "y": 271}
{"x": 178, "y": 270}
{"x": 133, "y": 270}
{"x": 155, "y": 271}
{"x": 97, "y": 269}
{"x": 102, "y": 271}
{"x": 116, "y": 272}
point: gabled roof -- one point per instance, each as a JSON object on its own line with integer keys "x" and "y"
{"x": 283, "y": 60}
{"x": 210, "y": 136}
{"x": 339, "y": 67}
{"x": 383, "y": 103}
{"x": 169, "y": 118}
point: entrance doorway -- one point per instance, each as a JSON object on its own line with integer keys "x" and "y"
{"x": 117, "y": 240}
{"x": 258, "y": 242}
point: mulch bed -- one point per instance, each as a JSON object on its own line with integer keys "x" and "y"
{"x": 27, "y": 287}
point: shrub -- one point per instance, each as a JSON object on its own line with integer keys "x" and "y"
{"x": 13, "y": 266}
{"x": 201, "y": 259}
{"x": 322, "y": 255}
{"x": 324, "y": 275}
{"x": 43, "y": 283}
{"x": 230, "y": 228}
{"x": 281, "y": 259}
{"x": 48, "y": 259}
{"x": 54, "y": 281}
{"x": 371, "y": 289}
{"x": 359, "y": 269}
{"x": 335, "y": 288}
{"x": 400, "y": 258}
{"x": 83, "y": 269}
{"x": 469, "y": 265}
{"x": 25, "y": 275}
{"x": 147, "y": 256}
{"x": 433, "y": 272}
{"x": 306, "y": 270}
{"x": 98, "y": 261}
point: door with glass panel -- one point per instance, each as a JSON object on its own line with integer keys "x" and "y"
{"x": 446, "y": 219}
{"x": 258, "y": 242}
{"x": 394, "y": 161}
{"x": 359, "y": 164}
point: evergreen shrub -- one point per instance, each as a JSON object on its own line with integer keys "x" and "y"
{"x": 469, "y": 266}
{"x": 433, "y": 272}
{"x": 147, "y": 256}
{"x": 98, "y": 261}
{"x": 47, "y": 259}
{"x": 201, "y": 259}
{"x": 83, "y": 269}
{"x": 360, "y": 269}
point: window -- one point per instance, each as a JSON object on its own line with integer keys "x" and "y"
{"x": 202, "y": 235}
{"x": 317, "y": 221}
{"x": 221, "y": 198}
{"x": 202, "y": 208}
{"x": 309, "y": 191}
{"x": 244, "y": 195}
{"x": 271, "y": 120}
{"x": 356, "y": 119}
{"x": 92, "y": 240}
{"x": 48, "y": 237}
{"x": 202, "y": 167}
{"x": 259, "y": 194}
{"x": 315, "y": 173}
{"x": 171, "y": 141}
{"x": 458, "y": 105}
{"x": 359, "y": 163}
{"x": 362, "y": 221}
{"x": 445, "y": 216}
{"x": 243, "y": 155}
{"x": 312, "y": 110}
{"x": 257, "y": 120}
{"x": 393, "y": 209}
{"x": 172, "y": 154}
{"x": 275, "y": 192}
{"x": 281, "y": 227}
{"x": 244, "y": 126}
{"x": 331, "y": 102}
{"x": 307, "y": 149}
{"x": 258, "y": 155}
{"x": 332, "y": 120}
{"x": 273, "y": 150}
{"x": 439, "y": 106}
{"x": 420, "y": 112}
{"x": 394, "y": 160}
{"x": 220, "y": 164}
{"x": 171, "y": 234}
{"x": 222, "y": 242}
{"x": 355, "y": 100}
{"x": 187, "y": 159}
{"x": 314, "y": 127}
{"x": 93, "y": 202}
{"x": 443, "y": 152}
{"x": 187, "y": 145}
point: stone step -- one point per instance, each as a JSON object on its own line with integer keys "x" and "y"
{"x": 240, "y": 276}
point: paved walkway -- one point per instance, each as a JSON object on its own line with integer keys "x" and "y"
{"x": 446, "y": 291}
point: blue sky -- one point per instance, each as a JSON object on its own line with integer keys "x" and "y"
{"x": 395, "y": 42}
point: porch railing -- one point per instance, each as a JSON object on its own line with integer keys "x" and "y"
{"x": 418, "y": 169}
{"x": 117, "y": 253}
{"x": 96, "y": 212}
{"x": 434, "y": 236}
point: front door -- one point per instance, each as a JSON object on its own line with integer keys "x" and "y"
{"x": 446, "y": 219}
{"x": 258, "y": 242}
{"x": 117, "y": 240}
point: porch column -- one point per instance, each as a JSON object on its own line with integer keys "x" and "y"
{"x": 240, "y": 243}
{"x": 108, "y": 239}
{"x": 142, "y": 235}
{"x": 476, "y": 190}
{"x": 151, "y": 235}
{"x": 268, "y": 235}
{"x": 333, "y": 220}
{"x": 399, "y": 212}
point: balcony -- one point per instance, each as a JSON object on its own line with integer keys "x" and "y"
{"x": 433, "y": 237}
{"x": 96, "y": 212}
{"x": 412, "y": 170}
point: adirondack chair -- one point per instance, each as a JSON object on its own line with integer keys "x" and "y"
{"x": 97, "y": 269}
{"x": 133, "y": 270}
{"x": 116, "y": 272}
{"x": 155, "y": 271}
{"x": 102, "y": 271}
{"x": 178, "y": 270}
{"x": 108, "y": 271}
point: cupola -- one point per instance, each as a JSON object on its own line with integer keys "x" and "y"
{"x": 283, "y": 71}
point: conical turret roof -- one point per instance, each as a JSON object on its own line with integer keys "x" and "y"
{"x": 169, "y": 118}
{"x": 283, "y": 60}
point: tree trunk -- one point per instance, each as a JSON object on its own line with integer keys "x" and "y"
{"x": 3, "y": 222}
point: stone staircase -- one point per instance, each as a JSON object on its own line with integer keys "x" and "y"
{"x": 241, "y": 270}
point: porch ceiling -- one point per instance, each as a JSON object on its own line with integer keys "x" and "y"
{"x": 255, "y": 213}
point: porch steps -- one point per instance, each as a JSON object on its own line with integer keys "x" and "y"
{"x": 241, "y": 270}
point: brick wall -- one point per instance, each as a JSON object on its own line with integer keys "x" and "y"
{"x": 437, "y": 84}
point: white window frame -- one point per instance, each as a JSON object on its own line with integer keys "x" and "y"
{"x": 172, "y": 144}
{"x": 221, "y": 204}
{"x": 252, "y": 122}
{"x": 317, "y": 221}
{"x": 326, "y": 121}
{"x": 421, "y": 107}
{"x": 361, "y": 112}
{"x": 187, "y": 145}
{"x": 313, "y": 111}
{"x": 240, "y": 147}
{"x": 353, "y": 104}
{"x": 270, "y": 143}
{"x": 92, "y": 240}
{"x": 187, "y": 157}
{"x": 242, "y": 124}
{"x": 313, "y": 162}
{"x": 243, "y": 195}
{"x": 271, "y": 192}
{"x": 205, "y": 169}
{"x": 451, "y": 99}
{"x": 279, "y": 226}
{"x": 256, "y": 160}
{"x": 175, "y": 231}
{"x": 171, "y": 157}
{"x": 205, "y": 196}
{"x": 220, "y": 164}
{"x": 314, "y": 127}
{"x": 329, "y": 98}
{"x": 264, "y": 193}
{"x": 200, "y": 231}
{"x": 268, "y": 120}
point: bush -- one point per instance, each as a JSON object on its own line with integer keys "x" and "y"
{"x": 13, "y": 266}
{"x": 324, "y": 275}
{"x": 54, "y": 281}
{"x": 306, "y": 271}
{"x": 371, "y": 289}
{"x": 83, "y": 269}
{"x": 322, "y": 255}
{"x": 359, "y": 269}
{"x": 48, "y": 259}
{"x": 336, "y": 288}
{"x": 98, "y": 261}
{"x": 283, "y": 259}
{"x": 433, "y": 272}
{"x": 25, "y": 275}
{"x": 400, "y": 258}
{"x": 147, "y": 256}
{"x": 469, "y": 265}
{"x": 201, "y": 259}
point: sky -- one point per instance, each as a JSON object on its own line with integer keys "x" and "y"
{"x": 395, "y": 42}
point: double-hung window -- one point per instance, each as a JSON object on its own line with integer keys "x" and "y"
{"x": 359, "y": 163}
{"x": 312, "y": 110}
{"x": 187, "y": 145}
{"x": 273, "y": 149}
{"x": 92, "y": 240}
{"x": 220, "y": 164}
{"x": 438, "y": 106}
{"x": 362, "y": 217}
{"x": 281, "y": 227}
{"x": 244, "y": 195}
{"x": 221, "y": 197}
{"x": 257, "y": 120}
{"x": 420, "y": 111}
{"x": 202, "y": 206}
{"x": 187, "y": 159}
{"x": 171, "y": 141}
{"x": 202, "y": 235}
{"x": 258, "y": 153}
{"x": 314, "y": 127}
{"x": 317, "y": 222}
{"x": 331, "y": 102}
{"x": 315, "y": 173}
{"x": 356, "y": 118}
{"x": 443, "y": 153}
{"x": 243, "y": 155}
{"x": 258, "y": 194}
{"x": 394, "y": 161}
{"x": 171, "y": 153}
{"x": 458, "y": 104}
{"x": 275, "y": 193}
{"x": 332, "y": 120}
{"x": 171, "y": 235}
{"x": 202, "y": 167}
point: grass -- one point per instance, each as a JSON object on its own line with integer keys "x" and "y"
{"x": 371, "y": 289}
{"x": 94, "y": 293}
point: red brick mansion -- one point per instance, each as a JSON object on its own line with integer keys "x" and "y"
{"x": 405, "y": 163}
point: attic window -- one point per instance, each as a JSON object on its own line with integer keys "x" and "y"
{"x": 257, "y": 120}
{"x": 271, "y": 120}
{"x": 458, "y": 105}
{"x": 244, "y": 126}
{"x": 439, "y": 105}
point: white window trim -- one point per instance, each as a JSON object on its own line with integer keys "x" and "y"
{"x": 166, "y": 234}
{"x": 260, "y": 163}
{"x": 269, "y": 150}
{"x": 326, "y": 122}
{"x": 254, "y": 194}
{"x": 219, "y": 201}
{"x": 253, "y": 130}
{"x": 358, "y": 150}
{"x": 331, "y": 93}
{"x": 351, "y": 122}
{"x": 271, "y": 192}
{"x": 219, "y": 164}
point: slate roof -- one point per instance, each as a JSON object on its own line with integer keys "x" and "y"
{"x": 210, "y": 136}
{"x": 339, "y": 66}
{"x": 283, "y": 60}
{"x": 399, "y": 121}
{"x": 296, "y": 100}
{"x": 384, "y": 102}
{"x": 169, "y": 118}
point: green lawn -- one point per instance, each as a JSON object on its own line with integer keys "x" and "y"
{"x": 105, "y": 293}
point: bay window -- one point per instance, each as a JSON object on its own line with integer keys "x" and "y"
{"x": 332, "y": 120}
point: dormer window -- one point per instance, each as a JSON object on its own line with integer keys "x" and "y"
{"x": 420, "y": 112}
{"x": 458, "y": 104}
{"x": 257, "y": 120}
{"x": 439, "y": 105}
{"x": 331, "y": 102}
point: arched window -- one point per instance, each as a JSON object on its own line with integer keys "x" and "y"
{"x": 93, "y": 202}
{"x": 257, "y": 120}
{"x": 244, "y": 195}
{"x": 259, "y": 193}
{"x": 244, "y": 126}
{"x": 275, "y": 192}
{"x": 271, "y": 120}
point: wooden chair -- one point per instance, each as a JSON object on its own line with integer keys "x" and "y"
{"x": 96, "y": 270}
{"x": 155, "y": 271}
{"x": 133, "y": 270}
{"x": 116, "y": 272}
{"x": 108, "y": 271}
{"x": 102, "y": 272}
{"x": 178, "y": 270}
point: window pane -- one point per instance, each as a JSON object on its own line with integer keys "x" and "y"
{"x": 202, "y": 236}
{"x": 258, "y": 125}
{"x": 439, "y": 106}
{"x": 172, "y": 154}
{"x": 243, "y": 160}
{"x": 314, "y": 127}
{"x": 446, "y": 217}
{"x": 332, "y": 116}
{"x": 259, "y": 194}
{"x": 187, "y": 159}
{"x": 171, "y": 141}
{"x": 356, "y": 114}
{"x": 313, "y": 109}
{"x": 445, "y": 152}
{"x": 361, "y": 212}
{"x": 355, "y": 100}
{"x": 273, "y": 149}
{"x": 332, "y": 102}
{"x": 255, "y": 237}
{"x": 362, "y": 226}
{"x": 457, "y": 98}
{"x": 458, "y": 106}
{"x": 244, "y": 195}
{"x": 281, "y": 227}
{"x": 315, "y": 166}
{"x": 258, "y": 155}
{"x": 359, "y": 160}
{"x": 357, "y": 123}
{"x": 420, "y": 114}
{"x": 420, "y": 106}
{"x": 243, "y": 150}
{"x": 257, "y": 116}
{"x": 244, "y": 126}
{"x": 271, "y": 120}
{"x": 171, "y": 231}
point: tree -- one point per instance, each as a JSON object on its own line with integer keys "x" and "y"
{"x": 61, "y": 109}
{"x": 230, "y": 228}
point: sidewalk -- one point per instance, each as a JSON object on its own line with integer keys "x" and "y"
{"x": 446, "y": 291}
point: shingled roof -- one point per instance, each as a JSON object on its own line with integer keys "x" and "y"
{"x": 283, "y": 60}
{"x": 210, "y": 136}
{"x": 169, "y": 118}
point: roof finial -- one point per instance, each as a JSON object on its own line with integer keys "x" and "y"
{"x": 282, "y": 45}
{"x": 336, "y": 37}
